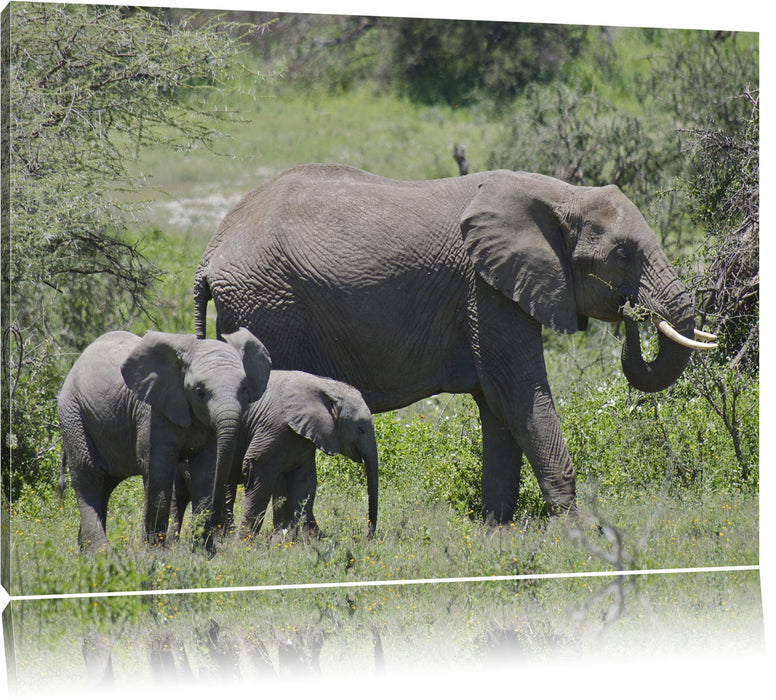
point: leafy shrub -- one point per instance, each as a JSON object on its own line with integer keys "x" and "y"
{"x": 30, "y": 444}
{"x": 430, "y": 61}
{"x": 724, "y": 197}
{"x": 626, "y": 440}
{"x": 462, "y": 63}
{"x": 430, "y": 457}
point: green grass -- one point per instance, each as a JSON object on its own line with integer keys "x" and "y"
{"x": 426, "y": 529}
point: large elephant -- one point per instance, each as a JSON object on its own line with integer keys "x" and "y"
{"x": 297, "y": 414}
{"x": 407, "y": 289}
{"x": 133, "y": 405}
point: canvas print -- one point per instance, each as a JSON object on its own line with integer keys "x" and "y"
{"x": 344, "y": 344}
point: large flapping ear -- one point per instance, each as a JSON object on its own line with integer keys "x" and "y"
{"x": 311, "y": 412}
{"x": 255, "y": 359}
{"x": 517, "y": 241}
{"x": 153, "y": 371}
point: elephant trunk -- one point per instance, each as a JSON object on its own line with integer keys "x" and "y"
{"x": 370, "y": 464}
{"x": 672, "y": 357}
{"x": 227, "y": 433}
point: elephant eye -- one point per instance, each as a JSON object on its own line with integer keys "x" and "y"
{"x": 199, "y": 390}
{"x": 621, "y": 256}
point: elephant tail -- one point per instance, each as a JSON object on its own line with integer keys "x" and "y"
{"x": 202, "y": 295}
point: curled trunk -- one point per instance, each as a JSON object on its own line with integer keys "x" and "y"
{"x": 671, "y": 358}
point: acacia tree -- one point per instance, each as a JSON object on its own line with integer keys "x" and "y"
{"x": 89, "y": 86}
{"x": 725, "y": 200}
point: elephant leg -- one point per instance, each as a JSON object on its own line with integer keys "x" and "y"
{"x": 180, "y": 501}
{"x": 302, "y": 485}
{"x": 92, "y": 486}
{"x": 258, "y": 490}
{"x": 534, "y": 427}
{"x": 537, "y": 428}
{"x": 92, "y": 495}
{"x": 501, "y": 465}
{"x": 281, "y": 503}
{"x": 516, "y": 394}
{"x": 158, "y": 483}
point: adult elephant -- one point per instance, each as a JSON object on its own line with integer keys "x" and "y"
{"x": 407, "y": 289}
{"x": 138, "y": 406}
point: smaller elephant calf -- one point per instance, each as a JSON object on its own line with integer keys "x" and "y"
{"x": 297, "y": 414}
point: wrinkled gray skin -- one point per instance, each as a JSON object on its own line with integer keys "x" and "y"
{"x": 298, "y": 413}
{"x": 408, "y": 289}
{"x": 135, "y": 405}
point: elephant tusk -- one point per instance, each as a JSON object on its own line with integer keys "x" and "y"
{"x": 702, "y": 335}
{"x": 670, "y": 332}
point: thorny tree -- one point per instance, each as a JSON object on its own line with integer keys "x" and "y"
{"x": 726, "y": 199}
{"x": 726, "y": 189}
{"x": 89, "y": 85}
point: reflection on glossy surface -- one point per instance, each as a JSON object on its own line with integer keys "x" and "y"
{"x": 245, "y": 637}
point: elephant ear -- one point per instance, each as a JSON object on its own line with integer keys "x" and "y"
{"x": 255, "y": 359}
{"x": 517, "y": 240}
{"x": 311, "y": 412}
{"x": 153, "y": 372}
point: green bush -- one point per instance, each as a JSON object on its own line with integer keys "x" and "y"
{"x": 30, "y": 443}
{"x": 463, "y": 63}
{"x": 625, "y": 440}
{"x": 431, "y": 456}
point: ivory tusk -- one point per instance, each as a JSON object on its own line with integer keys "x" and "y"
{"x": 702, "y": 335}
{"x": 670, "y": 332}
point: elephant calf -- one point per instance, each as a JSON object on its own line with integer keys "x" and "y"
{"x": 133, "y": 405}
{"x": 297, "y": 413}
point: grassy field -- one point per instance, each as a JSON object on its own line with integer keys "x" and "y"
{"x": 279, "y": 128}
{"x": 661, "y": 471}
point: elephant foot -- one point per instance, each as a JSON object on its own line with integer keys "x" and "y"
{"x": 303, "y": 532}
{"x": 156, "y": 539}
{"x": 569, "y": 510}
{"x": 208, "y": 544}
{"x": 95, "y": 548}
{"x": 309, "y": 531}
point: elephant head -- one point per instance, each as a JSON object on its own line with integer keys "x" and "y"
{"x": 203, "y": 387}
{"x": 337, "y": 420}
{"x": 565, "y": 253}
